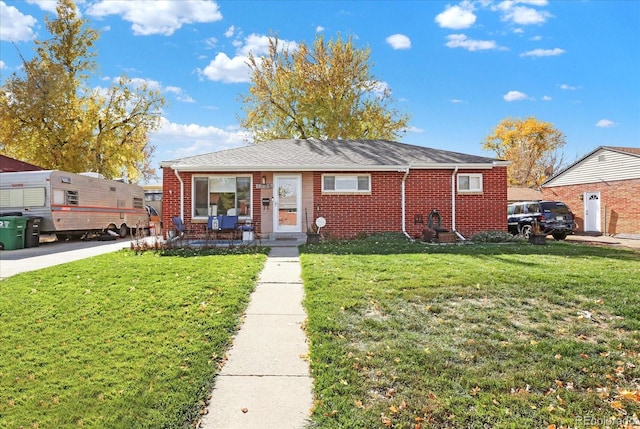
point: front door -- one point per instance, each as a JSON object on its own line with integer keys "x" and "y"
{"x": 287, "y": 203}
{"x": 592, "y": 212}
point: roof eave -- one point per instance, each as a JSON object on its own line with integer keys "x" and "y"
{"x": 290, "y": 168}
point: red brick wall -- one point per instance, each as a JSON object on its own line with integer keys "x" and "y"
{"x": 349, "y": 215}
{"x": 171, "y": 200}
{"x": 425, "y": 190}
{"x": 619, "y": 208}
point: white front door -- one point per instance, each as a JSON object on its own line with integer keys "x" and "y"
{"x": 287, "y": 203}
{"x": 592, "y": 212}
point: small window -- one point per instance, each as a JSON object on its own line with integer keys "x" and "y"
{"x": 346, "y": 183}
{"x": 137, "y": 203}
{"x": 71, "y": 198}
{"x": 470, "y": 183}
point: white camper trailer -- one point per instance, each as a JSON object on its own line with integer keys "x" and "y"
{"x": 74, "y": 204}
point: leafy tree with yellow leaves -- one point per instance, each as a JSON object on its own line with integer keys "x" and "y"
{"x": 50, "y": 117}
{"x": 532, "y": 146}
{"x": 322, "y": 91}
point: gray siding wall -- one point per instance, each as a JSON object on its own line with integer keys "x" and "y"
{"x": 602, "y": 166}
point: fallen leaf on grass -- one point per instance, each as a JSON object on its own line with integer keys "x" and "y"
{"x": 244, "y": 410}
{"x": 629, "y": 395}
{"x": 385, "y": 420}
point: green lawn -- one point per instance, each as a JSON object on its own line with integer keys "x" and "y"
{"x": 120, "y": 340}
{"x": 474, "y": 336}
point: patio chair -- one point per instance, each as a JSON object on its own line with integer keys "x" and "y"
{"x": 228, "y": 224}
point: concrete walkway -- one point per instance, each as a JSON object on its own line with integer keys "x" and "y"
{"x": 265, "y": 383}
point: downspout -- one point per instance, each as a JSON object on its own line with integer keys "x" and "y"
{"x": 175, "y": 170}
{"x": 453, "y": 204}
{"x": 404, "y": 209}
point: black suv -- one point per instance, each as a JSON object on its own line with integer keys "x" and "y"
{"x": 553, "y": 217}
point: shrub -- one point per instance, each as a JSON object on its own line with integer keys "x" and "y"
{"x": 495, "y": 237}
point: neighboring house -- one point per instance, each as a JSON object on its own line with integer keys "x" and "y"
{"x": 602, "y": 190}
{"x": 11, "y": 165}
{"x": 516, "y": 194}
{"x": 359, "y": 186}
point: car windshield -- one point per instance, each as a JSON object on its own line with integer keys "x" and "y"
{"x": 556, "y": 208}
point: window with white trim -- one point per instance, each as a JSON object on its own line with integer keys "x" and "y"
{"x": 469, "y": 183}
{"x": 221, "y": 195}
{"x": 346, "y": 183}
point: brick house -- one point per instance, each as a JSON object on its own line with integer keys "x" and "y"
{"x": 359, "y": 186}
{"x": 602, "y": 190}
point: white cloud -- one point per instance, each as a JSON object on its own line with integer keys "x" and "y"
{"x": 154, "y": 85}
{"x": 211, "y": 42}
{"x": 14, "y": 25}
{"x": 457, "y": 101}
{"x": 3, "y": 65}
{"x": 46, "y": 5}
{"x": 457, "y": 17}
{"x": 138, "y": 82}
{"x": 605, "y": 123}
{"x": 546, "y": 98}
{"x": 533, "y": 2}
{"x": 227, "y": 70}
{"x": 380, "y": 89}
{"x": 255, "y": 43}
{"x": 157, "y": 17}
{"x": 235, "y": 70}
{"x": 543, "y": 52}
{"x": 568, "y": 87}
{"x": 515, "y": 96}
{"x": 461, "y": 41}
{"x": 173, "y": 140}
{"x": 319, "y": 29}
{"x": 399, "y": 41}
{"x": 523, "y": 15}
{"x": 230, "y": 31}
{"x": 179, "y": 93}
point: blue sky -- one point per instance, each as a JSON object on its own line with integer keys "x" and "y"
{"x": 457, "y": 68}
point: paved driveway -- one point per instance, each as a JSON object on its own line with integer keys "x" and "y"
{"x": 53, "y": 253}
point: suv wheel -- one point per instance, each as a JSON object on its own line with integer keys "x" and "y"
{"x": 525, "y": 230}
{"x": 559, "y": 235}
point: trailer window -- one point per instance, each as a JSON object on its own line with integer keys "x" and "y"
{"x": 33, "y": 197}
{"x": 137, "y": 203}
{"x": 71, "y": 198}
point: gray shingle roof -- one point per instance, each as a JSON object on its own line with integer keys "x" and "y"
{"x": 314, "y": 154}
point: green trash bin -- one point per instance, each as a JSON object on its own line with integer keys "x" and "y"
{"x": 12, "y": 230}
